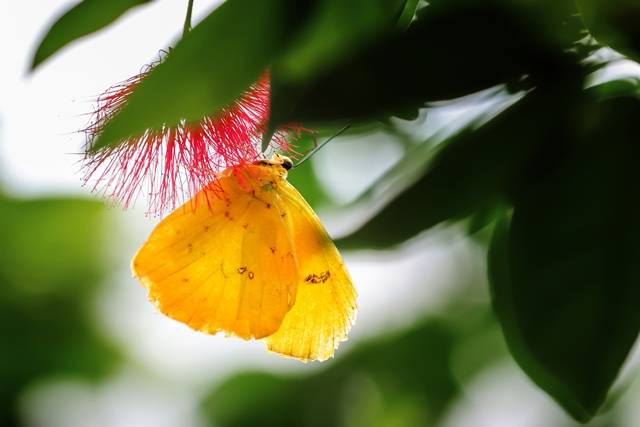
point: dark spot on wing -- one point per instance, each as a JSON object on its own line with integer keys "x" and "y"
{"x": 242, "y": 270}
{"x": 318, "y": 278}
{"x": 251, "y": 275}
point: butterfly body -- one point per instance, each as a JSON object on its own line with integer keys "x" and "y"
{"x": 251, "y": 259}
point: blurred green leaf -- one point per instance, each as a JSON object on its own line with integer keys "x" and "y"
{"x": 475, "y": 172}
{"x": 304, "y": 179}
{"x": 629, "y": 86}
{"x": 453, "y": 49}
{"x": 384, "y": 382}
{"x": 405, "y": 378}
{"x": 564, "y": 274}
{"x": 210, "y": 67}
{"x": 336, "y": 28}
{"x": 614, "y": 23}
{"x": 408, "y": 13}
{"x": 84, "y": 18}
{"x": 55, "y": 244}
{"x": 51, "y": 266}
{"x": 254, "y": 398}
{"x": 479, "y": 344}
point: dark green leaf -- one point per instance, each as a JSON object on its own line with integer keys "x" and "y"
{"x": 616, "y": 88}
{"x": 453, "y": 49}
{"x": 475, "y": 171}
{"x": 336, "y": 28}
{"x": 210, "y": 67}
{"x": 614, "y": 23}
{"x": 565, "y": 273}
{"x": 85, "y": 18}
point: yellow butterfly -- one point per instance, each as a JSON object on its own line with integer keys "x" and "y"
{"x": 255, "y": 263}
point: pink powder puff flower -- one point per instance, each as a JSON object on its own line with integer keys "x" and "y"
{"x": 172, "y": 164}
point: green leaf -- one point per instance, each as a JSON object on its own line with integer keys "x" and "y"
{"x": 476, "y": 171}
{"x": 85, "y": 18}
{"x": 629, "y": 86}
{"x": 565, "y": 272}
{"x": 614, "y": 23}
{"x": 336, "y": 28}
{"x": 451, "y": 50}
{"x": 209, "y": 68}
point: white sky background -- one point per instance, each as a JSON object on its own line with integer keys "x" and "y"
{"x": 42, "y": 112}
{"x": 40, "y": 115}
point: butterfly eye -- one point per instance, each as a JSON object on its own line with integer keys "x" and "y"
{"x": 287, "y": 164}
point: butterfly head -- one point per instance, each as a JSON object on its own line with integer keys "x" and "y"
{"x": 277, "y": 160}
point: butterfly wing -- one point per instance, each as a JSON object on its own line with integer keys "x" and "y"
{"x": 257, "y": 263}
{"x": 220, "y": 266}
{"x": 325, "y": 305}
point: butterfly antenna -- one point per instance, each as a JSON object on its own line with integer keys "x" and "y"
{"x": 318, "y": 147}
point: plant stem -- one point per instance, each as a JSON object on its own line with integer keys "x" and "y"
{"x": 187, "y": 19}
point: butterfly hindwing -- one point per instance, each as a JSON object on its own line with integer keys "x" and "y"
{"x": 326, "y": 300}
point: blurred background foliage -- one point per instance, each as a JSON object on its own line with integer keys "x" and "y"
{"x": 51, "y": 266}
{"x": 541, "y": 175}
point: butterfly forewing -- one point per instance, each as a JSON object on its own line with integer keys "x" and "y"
{"x": 217, "y": 265}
